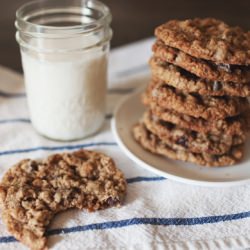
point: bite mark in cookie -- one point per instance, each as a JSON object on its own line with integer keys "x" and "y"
{"x": 32, "y": 192}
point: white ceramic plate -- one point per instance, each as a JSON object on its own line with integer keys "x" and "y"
{"x": 130, "y": 111}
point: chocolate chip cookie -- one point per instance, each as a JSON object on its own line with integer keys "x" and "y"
{"x": 202, "y": 68}
{"x": 188, "y": 139}
{"x": 206, "y": 107}
{"x": 152, "y": 143}
{"x": 188, "y": 82}
{"x": 32, "y": 192}
{"x": 235, "y": 125}
{"x": 207, "y": 38}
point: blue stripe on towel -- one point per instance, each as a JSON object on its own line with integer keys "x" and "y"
{"x": 55, "y": 148}
{"x": 7, "y": 239}
{"x": 142, "y": 178}
{"x": 26, "y": 120}
{"x": 23, "y": 120}
{"x": 143, "y": 221}
{"x": 152, "y": 221}
{"x": 11, "y": 95}
{"x": 23, "y": 95}
{"x": 121, "y": 90}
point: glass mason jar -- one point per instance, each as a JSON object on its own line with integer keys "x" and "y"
{"x": 64, "y": 47}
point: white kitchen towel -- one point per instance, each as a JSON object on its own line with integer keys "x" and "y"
{"x": 158, "y": 213}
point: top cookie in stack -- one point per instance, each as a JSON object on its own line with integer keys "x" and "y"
{"x": 197, "y": 105}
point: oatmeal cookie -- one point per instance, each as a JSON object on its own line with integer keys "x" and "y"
{"x": 202, "y": 68}
{"x": 235, "y": 125}
{"x": 188, "y": 139}
{"x": 32, "y": 192}
{"x": 188, "y": 82}
{"x": 153, "y": 144}
{"x": 207, "y": 38}
{"x": 207, "y": 107}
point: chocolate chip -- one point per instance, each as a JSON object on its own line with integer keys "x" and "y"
{"x": 215, "y": 157}
{"x": 182, "y": 141}
{"x": 111, "y": 202}
{"x": 33, "y": 165}
{"x": 232, "y": 119}
{"x": 10, "y": 178}
{"x": 166, "y": 124}
{"x": 217, "y": 86}
{"x": 193, "y": 134}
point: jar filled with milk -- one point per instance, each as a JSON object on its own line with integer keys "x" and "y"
{"x": 64, "y": 46}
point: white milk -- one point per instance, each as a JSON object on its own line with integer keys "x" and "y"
{"x": 66, "y": 94}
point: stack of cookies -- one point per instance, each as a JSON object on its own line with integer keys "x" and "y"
{"x": 197, "y": 107}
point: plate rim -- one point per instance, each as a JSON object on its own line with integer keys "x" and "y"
{"x": 153, "y": 169}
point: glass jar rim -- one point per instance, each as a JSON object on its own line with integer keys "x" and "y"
{"x": 24, "y": 25}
